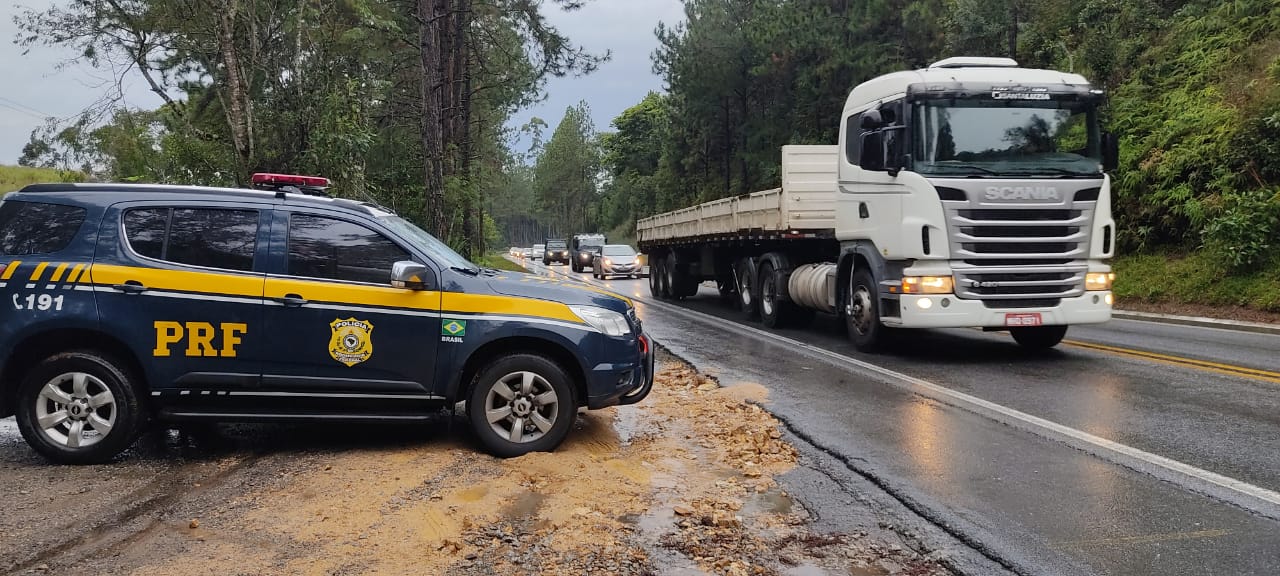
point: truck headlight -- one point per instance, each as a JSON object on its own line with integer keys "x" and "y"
{"x": 607, "y": 321}
{"x": 928, "y": 285}
{"x": 1099, "y": 280}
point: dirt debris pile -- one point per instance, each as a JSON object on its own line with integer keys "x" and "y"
{"x": 685, "y": 482}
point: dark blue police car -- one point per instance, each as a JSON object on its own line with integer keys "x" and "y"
{"x": 124, "y": 305}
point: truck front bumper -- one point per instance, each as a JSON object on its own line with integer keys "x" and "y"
{"x": 1091, "y": 308}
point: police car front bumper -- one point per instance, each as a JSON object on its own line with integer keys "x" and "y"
{"x": 623, "y": 384}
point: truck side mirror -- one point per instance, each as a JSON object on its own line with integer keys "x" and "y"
{"x": 410, "y": 276}
{"x": 871, "y": 120}
{"x": 1110, "y": 151}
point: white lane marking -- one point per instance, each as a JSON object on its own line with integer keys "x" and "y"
{"x": 1177, "y": 472}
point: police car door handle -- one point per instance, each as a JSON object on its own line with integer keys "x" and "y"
{"x": 292, "y": 300}
{"x": 131, "y": 287}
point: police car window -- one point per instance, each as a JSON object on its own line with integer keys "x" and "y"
{"x": 146, "y": 230}
{"x": 327, "y": 248}
{"x": 37, "y": 228}
{"x": 205, "y": 237}
{"x": 213, "y": 238}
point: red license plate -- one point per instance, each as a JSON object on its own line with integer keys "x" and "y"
{"x": 1033, "y": 319}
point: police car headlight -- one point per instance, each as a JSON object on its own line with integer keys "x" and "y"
{"x": 607, "y": 321}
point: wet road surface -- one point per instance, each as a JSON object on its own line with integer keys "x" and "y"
{"x": 1181, "y": 398}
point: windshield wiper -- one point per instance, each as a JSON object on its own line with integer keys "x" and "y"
{"x": 467, "y": 271}
{"x": 1054, "y": 170}
{"x": 967, "y": 167}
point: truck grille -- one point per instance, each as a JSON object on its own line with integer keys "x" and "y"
{"x": 1019, "y": 258}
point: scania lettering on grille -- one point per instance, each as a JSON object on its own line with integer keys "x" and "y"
{"x": 1022, "y": 193}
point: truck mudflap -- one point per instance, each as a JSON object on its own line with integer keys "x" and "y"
{"x": 646, "y": 380}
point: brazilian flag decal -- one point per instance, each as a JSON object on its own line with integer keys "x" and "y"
{"x": 451, "y": 327}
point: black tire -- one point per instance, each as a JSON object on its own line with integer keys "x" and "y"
{"x": 671, "y": 284}
{"x": 744, "y": 276}
{"x": 655, "y": 273}
{"x": 575, "y": 267}
{"x": 88, "y": 375}
{"x": 773, "y": 310}
{"x": 862, "y": 313}
{"x": 550, "y": 378}
{"x": 1038, "y": 337}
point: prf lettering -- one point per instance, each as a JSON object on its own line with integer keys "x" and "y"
{"x": 202, "y": 338}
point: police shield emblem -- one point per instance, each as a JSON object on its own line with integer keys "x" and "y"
{"x": 352, "y": 341}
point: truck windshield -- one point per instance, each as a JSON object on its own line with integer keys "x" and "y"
{"x": 1006, "y": 138}
{"x": 556, "y": 245}
{"x": 438, "y": 251}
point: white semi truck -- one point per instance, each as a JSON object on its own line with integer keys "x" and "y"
{"x": 972, "y": 193}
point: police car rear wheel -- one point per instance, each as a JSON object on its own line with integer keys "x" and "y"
{"x": 79, "y": 408}
{"x": 521, "y": 403}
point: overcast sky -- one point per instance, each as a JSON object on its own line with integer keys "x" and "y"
{"x": 33, "y": 87}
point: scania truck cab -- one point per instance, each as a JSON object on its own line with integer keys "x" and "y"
{"x": 973, "y": 193}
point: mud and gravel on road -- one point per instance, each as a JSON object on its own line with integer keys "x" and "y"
{"x": 683, "y": 483}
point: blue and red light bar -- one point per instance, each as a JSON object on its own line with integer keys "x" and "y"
{"x": 266, "y": 178}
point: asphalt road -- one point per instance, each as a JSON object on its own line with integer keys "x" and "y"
{"x": 1135, "y": 448}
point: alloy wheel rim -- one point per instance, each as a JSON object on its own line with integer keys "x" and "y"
{"x": 75, "y": 410}
{"x": 860, "y": 309}
{"x": 521, "y": 407}
{"x": 766, "y": 297}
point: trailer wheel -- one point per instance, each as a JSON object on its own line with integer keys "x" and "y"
{"x": 1038, "y": 337}
{"x": 664, "y": 278}
{"x": 862, "y": 312}
{"x": 745, "y": 279}
{"x": 774, "y": 312}
{"x": 655, "y": 284}
{"x": 674, "y": 287}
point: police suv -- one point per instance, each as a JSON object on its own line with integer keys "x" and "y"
{"x": 126, "y": 304}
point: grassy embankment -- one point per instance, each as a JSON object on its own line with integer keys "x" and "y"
{"x": 497, "y": 261}
{"x": 1198, "y": 279}
{"x": 15, "y": 177}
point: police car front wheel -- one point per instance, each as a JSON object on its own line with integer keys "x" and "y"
{"x": 78, "y": 408}
{"x": 521, "y": 403}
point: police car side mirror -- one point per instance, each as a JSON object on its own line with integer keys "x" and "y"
{"x": 410, "y": 275}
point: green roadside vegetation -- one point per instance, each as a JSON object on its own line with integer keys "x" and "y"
{"x": 497, "y": 261}
{"x": 1197, "y": 278}
{"x": 15, "y": 177}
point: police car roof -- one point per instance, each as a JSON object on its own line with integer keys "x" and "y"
{"x": 119, "y": 192}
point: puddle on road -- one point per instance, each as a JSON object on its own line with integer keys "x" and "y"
{"x": 524, "y": 505}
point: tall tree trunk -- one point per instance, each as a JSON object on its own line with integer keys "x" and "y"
{"x": 237, "y": 105}
{"x": 430, "y": 15}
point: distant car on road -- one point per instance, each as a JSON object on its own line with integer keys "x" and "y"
{"x": 581, "y": 250}
{"x": 536, "y": 251}
{"x": 616, "y": 260}
{"x": 556, "y": 251}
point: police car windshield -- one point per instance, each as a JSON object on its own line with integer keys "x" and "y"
{"x": 438, "y": 251}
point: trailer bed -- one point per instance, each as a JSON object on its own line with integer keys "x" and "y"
{"x": 803, "y": 207}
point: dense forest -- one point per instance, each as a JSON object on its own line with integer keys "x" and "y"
{"x": 400, "y": 102}
{"x": 405, "y": 101}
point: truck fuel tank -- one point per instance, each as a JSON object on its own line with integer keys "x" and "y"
{"x": 813, "y": 286}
